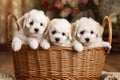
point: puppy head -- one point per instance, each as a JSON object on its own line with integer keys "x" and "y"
{"x": 34, "y": 22}
{"x": 60, "y": 31}
{"x": 87, "y": 31}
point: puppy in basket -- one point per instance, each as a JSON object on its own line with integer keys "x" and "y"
{"x": 34, "y": 25}
{"x": 59, "y": 34}
{"x": 88, "y": 33}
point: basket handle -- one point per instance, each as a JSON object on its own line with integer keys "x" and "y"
{"x": 107, "y": 19}
{"x": 9, "y": 19}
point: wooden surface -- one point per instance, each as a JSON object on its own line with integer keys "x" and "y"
{"x": 113, "y": 62}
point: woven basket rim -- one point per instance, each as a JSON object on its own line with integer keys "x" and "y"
{"x": 27, "y": 47}
{"x": 70, "y": 48}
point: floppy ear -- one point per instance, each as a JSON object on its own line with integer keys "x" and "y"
{"x": 22, "y": 18}
{"x": 74, "y": 29}
{"x": 70, "y": 33}
{"x": 100, "y": 30}
{"x": 50, "y": 23}
{"x": 47, "y": 28}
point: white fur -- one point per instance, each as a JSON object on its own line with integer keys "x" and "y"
{"x": 28, "y": 34}
{"x": 45, "y": 44}
{"x": 77, "y": 45}
{"x": 88, "y": 33}
{"x": 16, "y": 44}
{"x": 58, "y": 29}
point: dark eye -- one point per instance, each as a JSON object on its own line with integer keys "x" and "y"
{"x": 31, "y": 23}
{"x": 82, "y": 32}
{"x": 91, "y": 32}
{"x": 53, "y": 32}
{"x": 41, "y": 24}
{"x": 63, "y": 34}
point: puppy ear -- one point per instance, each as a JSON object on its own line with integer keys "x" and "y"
{"x": 47, "y": 28}
{"x": 74, "y": 29}
{"x": 100, "y": 30}
{"x": 50, "y": 23}
{"x": 22, "y": 18}
{"x": 70, "y": 33}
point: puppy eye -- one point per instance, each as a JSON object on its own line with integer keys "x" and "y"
{"x": 31, "y": 23}
{"x": 82, "y": 32}
{"x": 41, "y": 24}
{"x": 91, "y": 32}
{"x": 63, "y": 34}
{"x": 53, "y": 32}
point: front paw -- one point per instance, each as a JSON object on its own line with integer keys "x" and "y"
{"x": 33, "y": 44}
{"x": 107, "y": 45}
{"x": 16, "y": 44}
{"x": 45, "y": 44}
{"x": 77, "y": 46}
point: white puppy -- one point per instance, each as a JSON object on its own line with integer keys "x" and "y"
{"x": 88, "y": 33}
{"x": 34, "y": 24}
{"x": 59, "y": 34}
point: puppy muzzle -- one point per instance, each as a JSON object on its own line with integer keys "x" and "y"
{"x": 87, "y": 39}
{"x": 36, "y": 30}
{"x": 57, "y": 39}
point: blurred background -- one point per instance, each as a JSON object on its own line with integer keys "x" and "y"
{"x": 69, "y": 9}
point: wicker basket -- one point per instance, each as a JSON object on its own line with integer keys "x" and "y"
{"x": 59, "y": 63}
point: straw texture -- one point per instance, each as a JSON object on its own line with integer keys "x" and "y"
{"x": 59, "y": 63}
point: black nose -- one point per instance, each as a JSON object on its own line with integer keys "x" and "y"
{"x": 36, "y": 30}
{"x": 57, "y": 39}
{"x": 87, "y": 39}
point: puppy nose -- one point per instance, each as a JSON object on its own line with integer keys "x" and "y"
{"x": 57, "y": 39}
{"x": 87, "y": 39}
{"x": 36, "y": 30}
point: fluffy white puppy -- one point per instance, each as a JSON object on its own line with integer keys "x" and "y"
{"x": 88, "y": 33}
{"x": 59, "y": 34}
{"x": 34, "y": 24}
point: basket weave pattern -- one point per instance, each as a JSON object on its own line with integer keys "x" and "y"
{"x": 59, "y": 63}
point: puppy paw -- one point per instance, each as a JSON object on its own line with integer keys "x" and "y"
{"x": 33, "y": 44}
{"x": 77, "y": 46}
{"x": 45, "y": 44}
{"x": 107, "y": 45}
{"x": 16, "y": 44}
